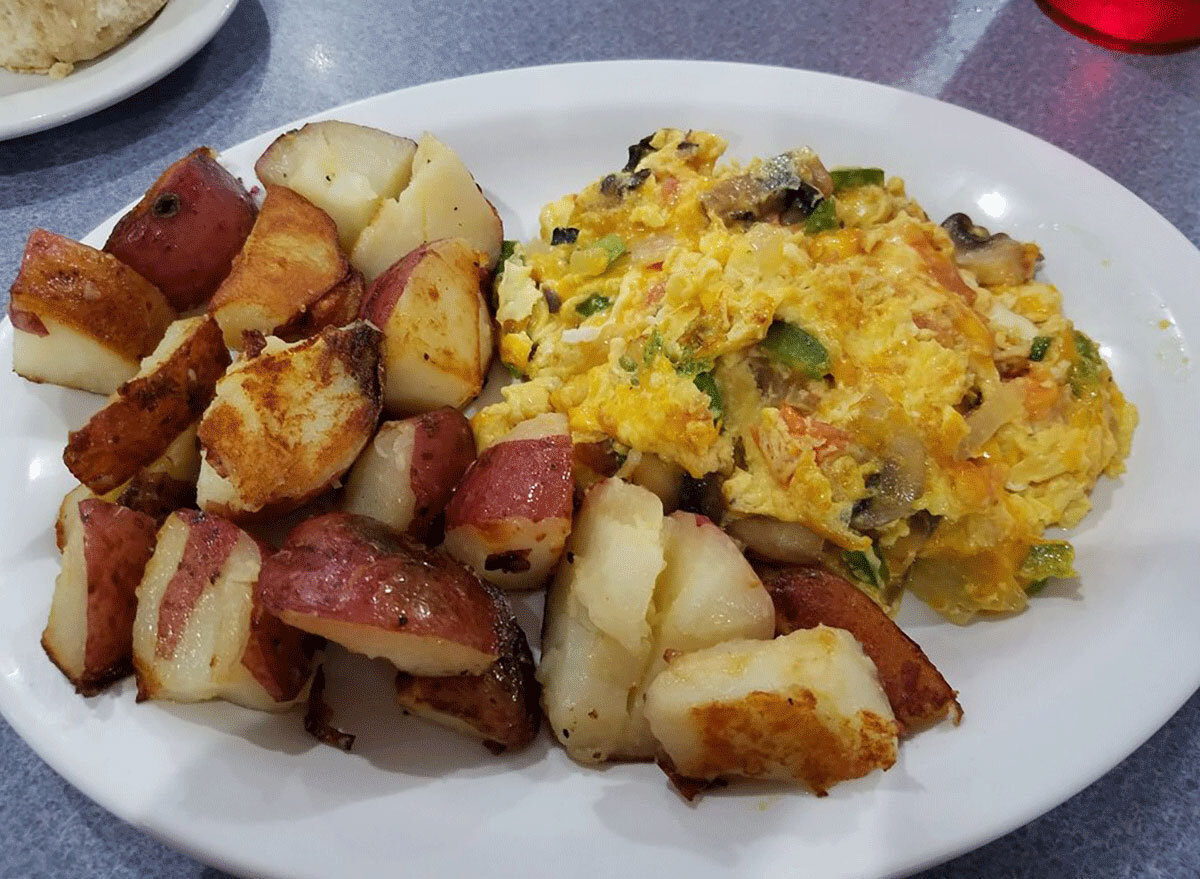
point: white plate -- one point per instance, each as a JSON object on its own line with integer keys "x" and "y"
{"x": 1053, "y": 697}
{"x": 32, "y": 102}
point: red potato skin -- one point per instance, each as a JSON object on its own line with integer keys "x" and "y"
{"x": 117, "y": 543}
{"x": 385, "y": 291}
{"x": 806, "y": 596}
{"x": 184, "y": 233}
{"x": 210, "y": 541}
{"x": 443, "y": 450}
{"x": 27, "y": 321}
{"x": 353, "y": 569}
{"x": 529, "y": 479}
{"x": 279, "y": 657}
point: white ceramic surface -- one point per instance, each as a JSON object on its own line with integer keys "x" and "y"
{"x": 32, "y": 102}
{"x": 1053, "y": 697}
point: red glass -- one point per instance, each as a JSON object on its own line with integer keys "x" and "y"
{"x": 1148, "y": 26}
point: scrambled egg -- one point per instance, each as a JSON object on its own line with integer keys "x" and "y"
{"x": 904, "y": 390}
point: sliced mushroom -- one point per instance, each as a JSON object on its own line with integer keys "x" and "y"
{"x": 789, "y": 543}
{"x": 899, "y": 481}
{"x": 664, "y": 478}
{"x": 789, "y": 185}
{"x": 615, "y": 186}
{"x": 993, "y": 259}
{"x": 703, "y": 496}
{"x": 779, "y": 385}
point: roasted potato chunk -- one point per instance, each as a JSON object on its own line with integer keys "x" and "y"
{"x": 442, "y": 200}
{"x": 166, "y": 484}
{"x": 804, "y": 707}
{"x": 288, "y": 265}
{"x": 287, "y": 422}
{"x": 105, "y": 549}
{"x": 635, "y": 586}
{"x": 510, "y": 516}
{"x": 149, "y": 412}
{"x": 200, "y": 633}
{"x": 809, "y": 596}
{"x": 184, "y": 233}
{"x": 596, "y": 628}
{"x": 358, "y": 583}
{"x": 344, "y": 169}
{"x": 82, "y": 318}
{"x": 408, "y": 473}
{"x": 436, "y": 326}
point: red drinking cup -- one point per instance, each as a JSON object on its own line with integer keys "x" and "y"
{"x": 1147, "y": 26}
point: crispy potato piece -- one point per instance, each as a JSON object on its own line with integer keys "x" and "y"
{"x": 105, "y": 546}
{"x": 499, "y": 706}
{"x": 809, "y": 596}
{"x": 358, "y": 583}
{"x": 336, "y": 308}
{"x": 184, "y": 233}
{"x": 287, "y": 423}
{"x": 147, "y": 413}
{"x": 290, "y": 262}
{"x": 81, "y": 317}
{"x": 166, "y": 484}
{"x": 706, "y": 594}
{"x": 804, "y": 707}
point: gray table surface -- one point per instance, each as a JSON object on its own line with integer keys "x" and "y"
{"x": 1135, "y": 118}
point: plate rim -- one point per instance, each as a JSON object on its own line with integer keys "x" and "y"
{"x": 72, "y": 103}
{"x": 967, "y": 842}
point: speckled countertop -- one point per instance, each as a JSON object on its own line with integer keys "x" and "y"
{"x": 1135, "y": 118}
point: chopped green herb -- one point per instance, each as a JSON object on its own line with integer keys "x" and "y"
{"x": 707, "y": 383}
{"x": 627, "y": 363}
{"x": 866, "y": 567}
{"x": 594, "y": 304}
{"x": 796, "y": 348}
{"x": 612, "y": 245}
{"x": 822, "y": 218}
{"x": 507, "y": 248}
{"x": 654, "y": 344}
{"x": 1037, "y": 351}
{"x": 1084, "y": 374}
{"x": 564, "y": 235}
{"x": 1054, "y": 558}
{"x": 1036, "y": 586}
{"x": 513, "y": 371}
{"x": 689, "y": 365}
{"x": 850, "y": 178}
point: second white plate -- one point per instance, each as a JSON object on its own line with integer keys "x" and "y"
{"x": 31, "y": 102}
